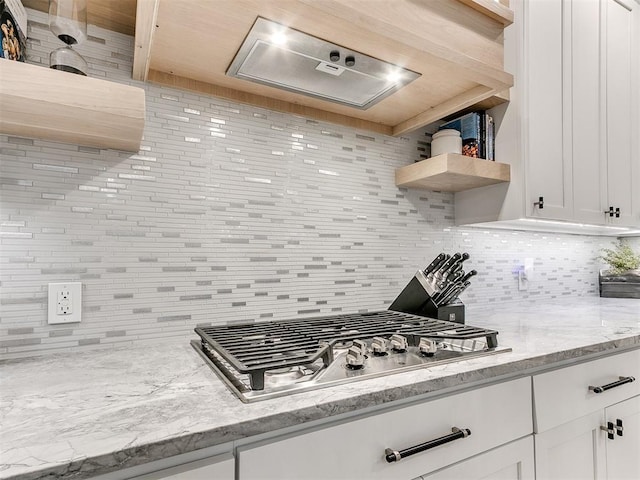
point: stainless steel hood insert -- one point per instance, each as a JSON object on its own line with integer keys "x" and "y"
{"x": 284, "y": 58}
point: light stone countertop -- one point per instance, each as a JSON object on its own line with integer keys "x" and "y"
{"x": 81, "y": 414}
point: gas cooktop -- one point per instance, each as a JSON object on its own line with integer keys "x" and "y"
{"x": 264, "y": 360}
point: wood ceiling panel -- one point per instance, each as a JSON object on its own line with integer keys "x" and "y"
{"x": 203, "y": 53}
{"x": 455, "y": 45}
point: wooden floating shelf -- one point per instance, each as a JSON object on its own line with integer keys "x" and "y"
{"x": 452, "y": 173}
{"x": 38, "y": 102}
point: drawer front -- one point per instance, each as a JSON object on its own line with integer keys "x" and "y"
{"x": 220, "y": 467}
{"x": 495, "y": 415}
{"x": 513, "y": 461}
{"x": 563, "y": 395}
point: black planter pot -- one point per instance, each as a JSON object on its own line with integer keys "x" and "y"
{"x": 624, "y": 285}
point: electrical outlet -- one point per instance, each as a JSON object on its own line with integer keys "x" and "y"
{"x": 65, "y": 302}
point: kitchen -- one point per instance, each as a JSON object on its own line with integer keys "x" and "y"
{"x": 252, "y": 214}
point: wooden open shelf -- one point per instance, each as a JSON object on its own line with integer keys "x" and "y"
{"x": 38, "y": 102}
{"x": 452, "y": 173}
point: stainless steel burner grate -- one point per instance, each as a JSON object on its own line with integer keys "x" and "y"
{"x": 256, "y": 348}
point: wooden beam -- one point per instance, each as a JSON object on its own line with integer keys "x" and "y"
{"x": 452, "y": 105}
{"x": 174, "y": 81}
{"x": 146, "y": 15}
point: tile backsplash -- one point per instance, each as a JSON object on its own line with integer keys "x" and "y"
{"x": 229, "y": 213}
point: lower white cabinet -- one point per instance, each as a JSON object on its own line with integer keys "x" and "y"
{"x": 587, "y": 420}
{"x": 581, "y": 449}
{"x": 495, "y": 415}
{"x": 623, "y": 452}
{"x": 513, "y": 461}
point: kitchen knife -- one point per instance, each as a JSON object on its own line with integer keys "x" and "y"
{"x": 438, "y": 297}
{"x": 440, "y": 274}
{"x": 451, "y": 278}
{"x": 455, "y": 293}
{"x": 431, "y": 277}
{"x": 449, "y": 263}
{"x": 457, "y": 263}
{"x": 468, "y": 276}
{"x": 436, "y": 263}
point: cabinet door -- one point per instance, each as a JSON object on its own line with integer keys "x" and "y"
{"x": 572, "y": 450}
{"x": 548, "y": 167}
{"x": 623, "y": 452}
{"x": 588, "y": 137}
{"x": 621, "y": 85}
{"x": 509, "y": 462}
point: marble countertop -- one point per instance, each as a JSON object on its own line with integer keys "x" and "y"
{"x": 81, "y": 414}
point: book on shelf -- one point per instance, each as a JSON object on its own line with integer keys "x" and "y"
{"x": 477, "y": 130}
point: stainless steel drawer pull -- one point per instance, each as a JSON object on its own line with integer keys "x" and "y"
{"x": 608, "y": 386}
{"x": 395, "y": 456}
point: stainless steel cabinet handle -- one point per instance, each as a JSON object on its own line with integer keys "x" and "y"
{"x": 608, "y": 386}
{"x": 609, "y": 429}
{"x": 395, "y": 456}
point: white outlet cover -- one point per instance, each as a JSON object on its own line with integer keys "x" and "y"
{"x": 65, "y": 297}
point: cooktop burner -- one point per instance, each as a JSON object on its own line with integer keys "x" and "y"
{"x": 269, "y": 359}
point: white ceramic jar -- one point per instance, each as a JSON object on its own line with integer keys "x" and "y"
{"x": 446, "y": 141}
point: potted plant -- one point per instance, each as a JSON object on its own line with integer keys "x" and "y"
{"x": 622, "y": 279}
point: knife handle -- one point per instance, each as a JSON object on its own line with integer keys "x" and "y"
{"x": 436, "y": 261}
{"x": 468, "y": 276}
{"x": 438, "y": 267}
{"x": 456, "y": 293}
{"x": 455, "y": 276}
{"x": 449, "y": 263}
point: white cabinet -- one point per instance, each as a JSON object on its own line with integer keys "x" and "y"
{"x": 356, "y": 449}
{"x": 603, "y": 82}
{"x": 581, "y": 449}
{"x": 570, "y": 441}
{"x": 571, "y": 130}
{"x": 621, "y": 53}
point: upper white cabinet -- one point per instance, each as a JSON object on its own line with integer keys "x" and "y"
{"x": 571, "y": 130}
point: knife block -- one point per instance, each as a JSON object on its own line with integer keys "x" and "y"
{"x": 415, "y": 299}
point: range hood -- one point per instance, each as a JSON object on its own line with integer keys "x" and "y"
{"x": 275, "y": 55}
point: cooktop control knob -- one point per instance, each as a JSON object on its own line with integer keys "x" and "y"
{"x": 356, "y": 354}
{"x": 428, "y": 347}
{"x": 379, "y": 346}
{"x": 399, "y": 343}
